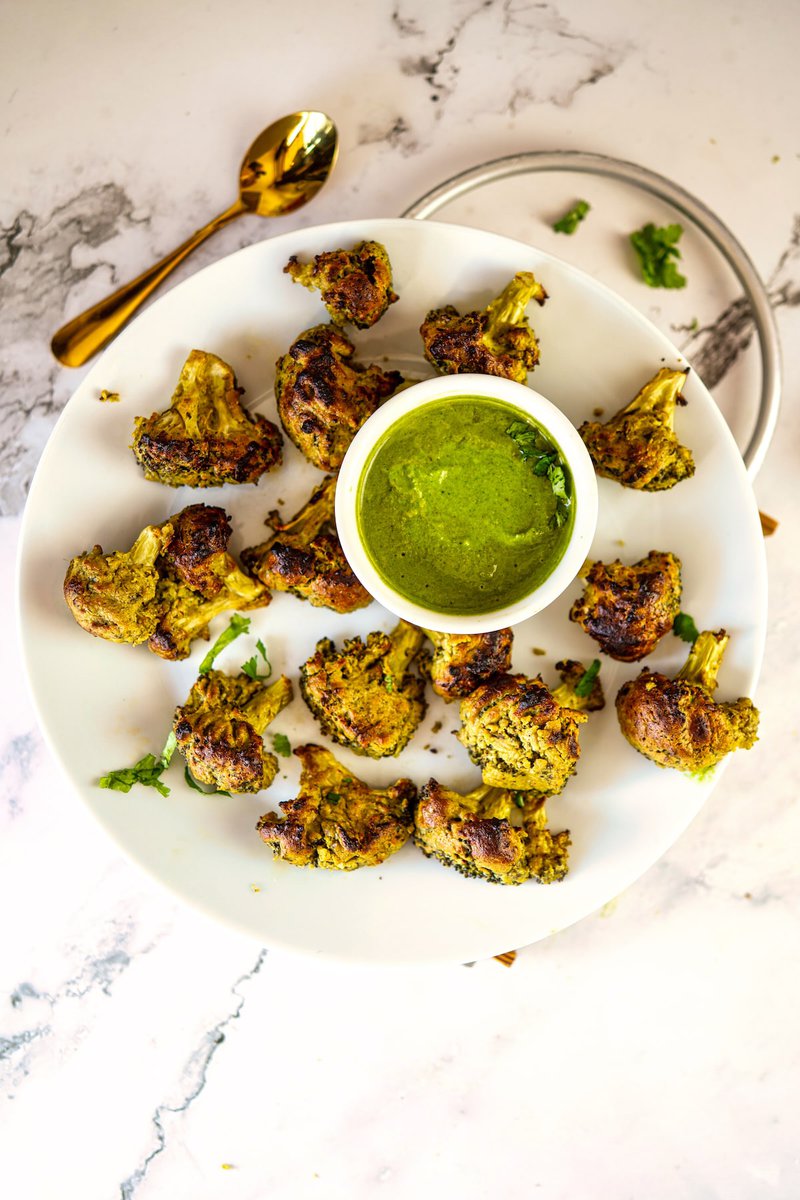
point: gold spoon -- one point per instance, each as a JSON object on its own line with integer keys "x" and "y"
{"x": 284, "y": 168}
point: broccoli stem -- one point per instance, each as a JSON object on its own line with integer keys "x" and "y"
{"x": 704, "y": 661}
{"x": 306, "y": 524}
{"x": 264, "y": 707}
{"x": 508, "y": 309}
{"x": 406, "y": 641}
{"x": 149, "y": 544}
{"x": 659, "y": 395}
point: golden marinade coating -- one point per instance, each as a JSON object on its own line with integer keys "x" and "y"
{"x": 462, "y": 661}
{"x": 305, "y": 557}
{"x": 336, "y": 820}
{"x": 206, "y": 438}
{"x": 115, "y": 596}
{"x": 220, "y": 726}
{"x": 496, "y": 340}
{"x": 167, "y": 588}
{"x": 475, "y": 834}
{"x": 676, "y": 722}
{"x": 519, "y": 736}
{"x": 628, "y": 609}
{"x": 638, "y": 446}
{"x": 324, "y": 396}
{"x": 355, "y": 285}
{"x": 364, "y": 695}
{"x": 571, "y": 674}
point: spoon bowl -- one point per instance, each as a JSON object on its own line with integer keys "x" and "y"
{"x": 282, "y": 170}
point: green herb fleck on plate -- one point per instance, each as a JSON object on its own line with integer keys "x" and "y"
{"x": 684, "y": 627}
{"x": 572, "y": 219}
{"x": 584, "y": 685}
{"x": 657, "y": 248}
{"x": 236, "y": 626}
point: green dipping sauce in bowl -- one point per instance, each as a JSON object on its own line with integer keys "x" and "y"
{"x": 452, "y": 512}
{"x": 466, "y": 503}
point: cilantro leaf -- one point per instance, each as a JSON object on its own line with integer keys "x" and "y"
{"x": 195, "y": 786}
{"x": 147, "y": 771}
{"x": 584, "y": 685}
{"x": 333, "y": 797}
{"x": 236, "y": 626}
{"x": 656, "y": 247}
{"x": 281, "y": 744}
{"x": 251, "y": 667}
{"x": 534, "y": 447}
{"x": 519, "y": 799}
{"x": 684, "y": 627}
{"x": 572, "y": 218}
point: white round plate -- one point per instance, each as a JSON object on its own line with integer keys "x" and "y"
{"x": 103, "y": 706}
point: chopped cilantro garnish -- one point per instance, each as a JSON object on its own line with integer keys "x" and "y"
{"x": 195, "y": 786}
{"x": 334, "y": 797}
{"x": 656, "y": 247}
{"x": 684, "y": 627}
{"x": 572, "y": 219}
{"x": 281, "y": 744}
{"x": 534, "y": 448}
{"x": 251, "y": 666}
{"x": 519, "y": 799}
{"x": 147, "y": 771}
{"x": 584, "y": 685}
{"x": 236, "y": 626}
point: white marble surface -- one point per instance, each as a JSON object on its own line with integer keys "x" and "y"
{"x": 653, "y": 1048}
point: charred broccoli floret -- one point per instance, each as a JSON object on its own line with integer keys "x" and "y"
{"x": 462, "y": 661}
{"x": 627, "y": 610}
{"x": 206, "y": 438}
{"x": 186, "y": 614}
{"x": 364, "y": 695}
{"x": 219, "y": 730}
{"x": 495, "y": 341}
{"x": 519, "y": 735}
{"x": 323, "y": 397}
{"x": 638, "y": 447}
{"x": 676, "y": 722}
{"x": 175, "y": 579}
{"x": 115, "y": 596}
{"x": 355, "y": 285}
{"x": 338, "y": 821}
{"x": 475, "y": 834}
{"x": 305, "y": 556}
{"x": 580, "y": 688}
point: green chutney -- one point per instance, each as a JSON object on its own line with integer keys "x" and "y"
{"x": 453, "y": 516}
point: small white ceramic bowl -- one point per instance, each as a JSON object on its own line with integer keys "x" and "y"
{"x": 549, "y": 418}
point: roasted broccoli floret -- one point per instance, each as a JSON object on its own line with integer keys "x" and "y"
{"x": 462, "y": 661}
{"x": 186, "y": 614}
{"x": 627, "y": 610}
{"x": 305, "y": 556}
{"x": 219, "y": 730}
{"x": 580, "y": 688}
{"x": 206, "y": 438}
{"x": 338, "y": 821}
{"x": 355, "y": 285}
{"x": 519, "y": 735}
{"x": 495, "y": 341}
{"x": 638, "y": 447}
{"x": 364, "y": 695}
{"x": 475, "y": 834}
{"x": 323, "y": 397}
{"x": 115, "y": 596}
{"x": 676, "y": 722}
{"x": 174, "y": 580}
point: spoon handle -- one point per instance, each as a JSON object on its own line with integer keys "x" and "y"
{"x": 75, "y": 343}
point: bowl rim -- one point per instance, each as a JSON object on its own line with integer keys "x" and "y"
{"x": 553, "y": 421}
